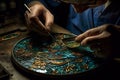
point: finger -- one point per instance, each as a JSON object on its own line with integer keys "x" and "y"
{"x": 90, "y": 32}
{"x": 27, "y": 17}
{"x": 94, "y": 39}
{"x": 49, "y": 19}
{"x": 36, "y": 11}
{"x": 28, "y": 22}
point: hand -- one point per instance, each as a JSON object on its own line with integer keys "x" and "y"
{"x": 33, "y": 19}
{"x": 103, "y": 39}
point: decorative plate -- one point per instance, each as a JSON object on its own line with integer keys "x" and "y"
{"x": 51, "y": 57}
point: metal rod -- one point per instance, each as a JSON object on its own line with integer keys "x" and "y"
{"x": 28, "y": 8}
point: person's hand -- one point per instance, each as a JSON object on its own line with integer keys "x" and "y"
{"x": 103, "y": 40}
{"x": 39, "y": 13}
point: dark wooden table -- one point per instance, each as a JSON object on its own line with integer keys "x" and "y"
{"x": 6, "y": 49}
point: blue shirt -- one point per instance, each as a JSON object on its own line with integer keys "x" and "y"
{"x": 78, "y": 23}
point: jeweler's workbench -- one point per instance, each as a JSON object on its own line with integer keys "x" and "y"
{"x": 5, "y": 55}
{"x": 6, "y": 46}
{"x": 9, "y": 36}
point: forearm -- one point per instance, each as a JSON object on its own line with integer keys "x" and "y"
{"x": 47, "y": 3}
{"x": 33, "y": 2}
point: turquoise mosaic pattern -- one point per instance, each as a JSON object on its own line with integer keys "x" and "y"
{"x": 53, "y": 57}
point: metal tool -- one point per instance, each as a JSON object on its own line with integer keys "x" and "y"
{"x": 40, "y": 23}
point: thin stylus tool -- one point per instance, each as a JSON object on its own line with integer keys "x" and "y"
{"x": 40, "y": 22}
{"x": 27, "y": 8}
